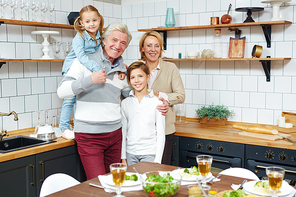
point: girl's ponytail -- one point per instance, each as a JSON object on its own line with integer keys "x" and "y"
{"x": 78, "y": 27}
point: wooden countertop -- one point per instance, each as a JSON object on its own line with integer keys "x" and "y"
{"x": 60, "y": 143}
{"x": 227, "y": 134}
{"x": 193, "y": 129}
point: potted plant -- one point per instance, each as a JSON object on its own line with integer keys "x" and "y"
{"x": 214, "y": 114}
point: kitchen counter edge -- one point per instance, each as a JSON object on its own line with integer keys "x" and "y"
{"x": 60, "y": 143}
{"x": 226, "y": 133}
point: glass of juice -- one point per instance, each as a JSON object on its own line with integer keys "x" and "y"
{"x": 204, "y": 166}
{"x": 118, "y": 174}
{"x": 275, "y": 178}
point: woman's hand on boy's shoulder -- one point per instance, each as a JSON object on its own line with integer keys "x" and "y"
{"x": 163, "y": 108}
{"x": 98, "y": 77}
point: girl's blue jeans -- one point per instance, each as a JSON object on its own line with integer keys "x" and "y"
{"x": 66, "y": 112}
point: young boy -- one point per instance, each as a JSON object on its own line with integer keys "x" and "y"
{"x": 143, "y": 130}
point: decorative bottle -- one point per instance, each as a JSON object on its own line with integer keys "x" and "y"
{"x": 170, "y": 18}
{"x": 217, "y": 44}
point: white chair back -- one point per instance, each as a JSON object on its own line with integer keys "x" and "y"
{"x": 240, "y": 172}
{"x": 57, "y": 182}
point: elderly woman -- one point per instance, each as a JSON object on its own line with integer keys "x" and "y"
{"x": 165, "y": 80}
{"x": 97, "y": 116}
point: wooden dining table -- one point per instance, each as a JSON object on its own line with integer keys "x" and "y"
{"x": 84, "y": 189}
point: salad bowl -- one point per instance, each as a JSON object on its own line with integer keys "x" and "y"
{"x": 161, "y": 183}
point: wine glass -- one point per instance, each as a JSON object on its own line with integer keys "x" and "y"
{"x": 38, "y": 124}
{"x": 33, "y": 6}
{"x": 275, "y": 178}
{"x": 56, "y": 48}
{"x": 26, "y": 8}
{"x": 67, "y": 47}
{"x": 13, "y": 5}
{"x": 47, "y": 118}
{"x": 36, "y": 8}
{"x": 118, "y": 173}
{"x": 51, "y": 9}
{"x": 43, "y": 8}
{"x": 204, "y": 166}
{"x": 22, "y": 5}
{"x": 3, "y": 4}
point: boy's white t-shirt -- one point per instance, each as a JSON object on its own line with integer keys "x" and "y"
{"x": 143, "y": 127}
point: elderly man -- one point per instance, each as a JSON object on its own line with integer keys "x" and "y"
{"x": 97, "y": 116}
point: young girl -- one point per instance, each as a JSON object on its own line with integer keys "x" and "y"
{"x": 143, "y": 130}
{"x": 89, "y": 26}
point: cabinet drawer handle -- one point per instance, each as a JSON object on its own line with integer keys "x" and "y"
{"x": 257, "y": 166}
{"x": 42, "y": 171}
{"x": 222, "y": 161}
{"x": 33, "y": 170}
{"x": 216, "y": 160}
{"x": 263, "y": 167}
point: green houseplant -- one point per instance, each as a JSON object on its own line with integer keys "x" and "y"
{"x": 214, "y": 114}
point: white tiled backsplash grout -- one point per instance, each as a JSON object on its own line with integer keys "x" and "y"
{"x": 240, "y": 85}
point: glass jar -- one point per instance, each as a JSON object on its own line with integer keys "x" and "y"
{"x": 217, "y": 44}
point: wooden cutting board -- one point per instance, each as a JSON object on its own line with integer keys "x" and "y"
{"x": 263, "y": 136}
{"x": 282, "y": 129}
{"x": 237, "y": 46}
{"x": 290, "y": 117}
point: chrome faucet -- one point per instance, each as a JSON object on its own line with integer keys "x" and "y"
{"x": 4, "y": 132}
{"x": 12, "y": 112}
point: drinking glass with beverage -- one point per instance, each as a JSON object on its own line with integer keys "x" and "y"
{"x": 275, "y": 178}
{"x": 204, "y": 166}
{"x": 118, "y": 173}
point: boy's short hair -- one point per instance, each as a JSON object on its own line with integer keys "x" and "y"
{"x": 134, "y": 66}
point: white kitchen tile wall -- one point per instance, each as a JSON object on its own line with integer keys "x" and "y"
{"x": 240, "y": 85}
{"x": 249, "y": 115}
{"x": 186, "y": 7}
{"x": 31, "y": 103}
{"x": 199, "y": 67}
{"x": 265, "y": 116}
{"x": 212, "y": 97}
{"x": 23, "y": 86}
{"x": 17, "y": 103}
{"x": 257, "y": 100}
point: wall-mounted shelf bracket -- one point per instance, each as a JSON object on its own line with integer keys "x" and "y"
{"x": 267, "y": 33}
{"x": 266, "y": 68}
{"x": 1, "y": 63}
{"x": 164, "y": 39}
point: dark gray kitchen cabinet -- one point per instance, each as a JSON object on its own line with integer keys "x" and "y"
{"x": 17, "y": 177}
{"x": 24, "y": 176}
{"x": 175, "y": 153}
{"x": 225, "y": 154}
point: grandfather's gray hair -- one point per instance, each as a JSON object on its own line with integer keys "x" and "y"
{"x": 119, "y": 27}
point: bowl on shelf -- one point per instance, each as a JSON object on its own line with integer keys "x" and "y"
{"x": 156, "y": 183}
{"x": 192, "y": 54}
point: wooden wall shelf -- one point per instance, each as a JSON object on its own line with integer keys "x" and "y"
{"x": 264, "y": 61}
{"x": 266, "y": 28}
{"x": 283, "y": 22}
{"x": 3, "y": 61}
{"x": 36, "y": 24}
{"x": 226, "y": 59}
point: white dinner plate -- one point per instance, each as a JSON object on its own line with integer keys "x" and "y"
{"x": 109, "y": 180}
{"x": 285, "y": 190}
{"x": 189, "y": 177}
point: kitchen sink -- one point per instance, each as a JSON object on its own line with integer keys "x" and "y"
{"x": 20, "y": 142}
